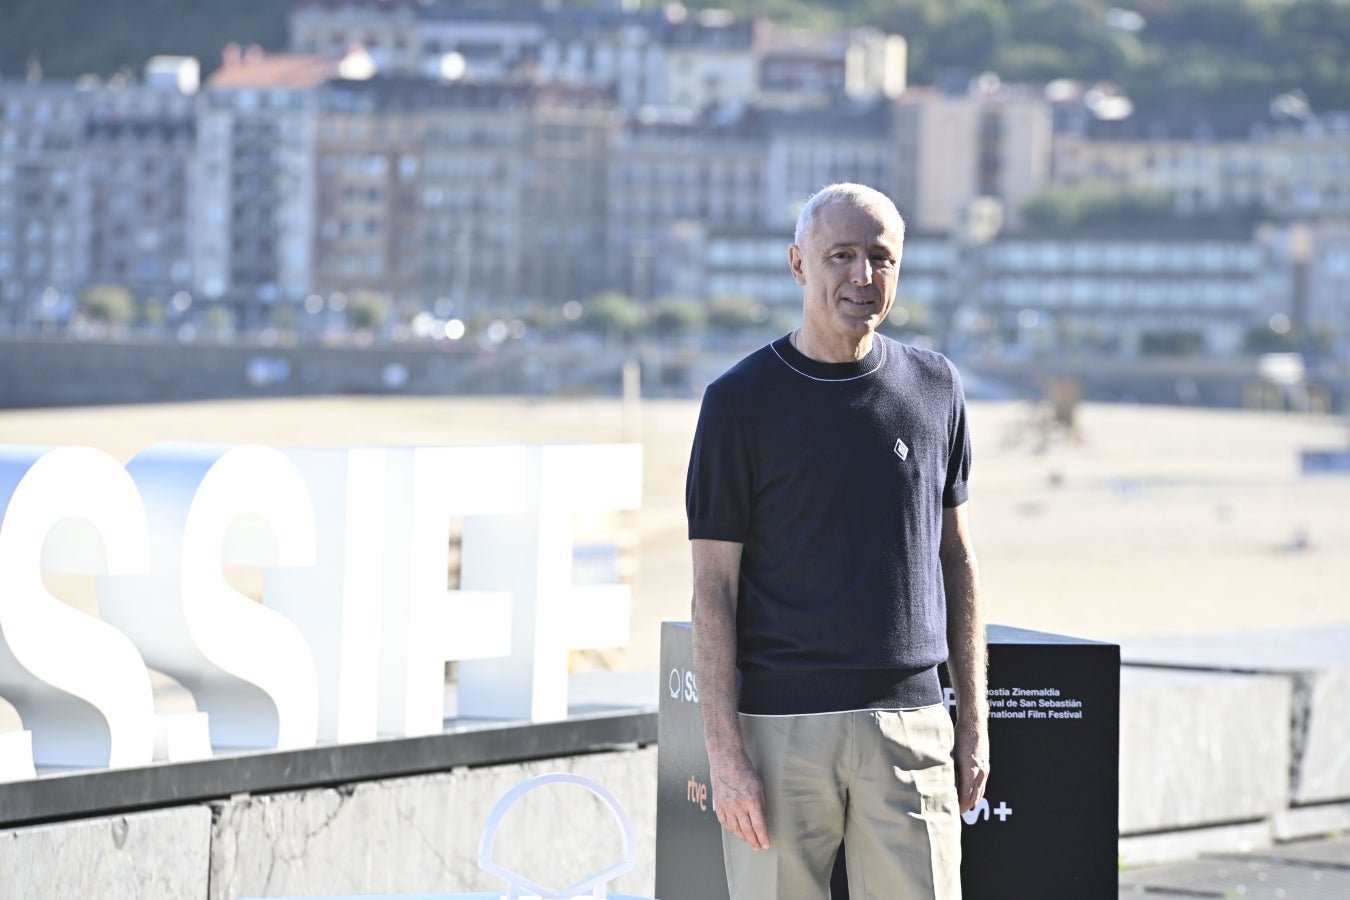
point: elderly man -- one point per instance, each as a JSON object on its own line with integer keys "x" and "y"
{"x": 833, "y": 572}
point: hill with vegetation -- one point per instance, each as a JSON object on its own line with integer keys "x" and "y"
{"x": 1181, "y": 61}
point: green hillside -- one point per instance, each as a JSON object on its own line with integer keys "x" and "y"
{"x": 68, "y": 38}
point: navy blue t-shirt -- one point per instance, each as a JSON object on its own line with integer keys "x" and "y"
{"x": 833, "y": 477}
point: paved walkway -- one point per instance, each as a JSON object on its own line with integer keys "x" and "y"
{"x": 1302, "y": 870}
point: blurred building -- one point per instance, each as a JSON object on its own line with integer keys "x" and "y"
{"x": 1025, "y": 294}
{"x": 386, "y": 29}
{"x": 958, "y": 147}
{"x": 807, "y": 149}
{"x": 256, "y": 202}
{"x": 667, "y": 180}
{"x": 1295, "y": 168}
{"x": 806, "y": 68}
{"x": 660, "y": 57}
{"x": 398, "y": 191}
{"x": 477, "y": 159}
{"x": 502, "y": 198}
{"x": 137, "y": 153}
{"x": 664, "y": 57}
{"x": 43, "y": 252}
{"x": 754, "y": 263}
{"x": 1117, "y": 294}
{"x": 1308, "y": 294}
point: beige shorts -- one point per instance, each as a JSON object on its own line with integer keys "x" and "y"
{"x": 880, "y": 780}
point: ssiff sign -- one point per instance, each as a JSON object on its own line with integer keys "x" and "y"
{"x": 356, "y": 624}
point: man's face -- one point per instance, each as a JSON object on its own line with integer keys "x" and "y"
{"x": 848, "y": 263}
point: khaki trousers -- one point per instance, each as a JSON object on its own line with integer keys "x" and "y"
{"x": 880, "y": 780}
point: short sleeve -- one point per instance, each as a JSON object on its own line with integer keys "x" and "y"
{"x": 955, "y": 490}
{"x": 719, "y": 485}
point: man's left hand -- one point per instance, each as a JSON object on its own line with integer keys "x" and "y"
{"x": 971, "y": 755}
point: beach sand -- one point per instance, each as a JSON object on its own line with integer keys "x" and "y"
{"x": 1152, "y": 520}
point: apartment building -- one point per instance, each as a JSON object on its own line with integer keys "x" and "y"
{"x": 1025, "y": 293}
{"x": 754, "y": 263}
{"x": 668, "y": 180}
{"x": 1287, "y": 170}
{"x": 1117, "y": 293}
{"x": 810, "y": 148}
{"x": 653, "y": 57}
{"x": 710, "y": 62}
{"x": 43, "y": 252}
{"x": 482, "y": 198}
{"x": 805, "y": 68}
{"x": 646, "y": 58}
{"x": 256, "y": 183}
{"x": 1308, "y": 284}
{"x": 386, "y": 29}
{"x": 675, "y": 184}
{"x": 137, "y": 154}
{"x": 956, "y": 148}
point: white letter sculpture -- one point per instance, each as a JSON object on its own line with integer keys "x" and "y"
{"x": 425, "y": 624}
{"x": 247, "y": 666}
{"x": 530, "y": 554}
{"x": 78, "y": 684}
{"x": 337, "y": 602}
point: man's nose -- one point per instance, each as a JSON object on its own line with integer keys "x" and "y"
{"x": 862, "y": 271}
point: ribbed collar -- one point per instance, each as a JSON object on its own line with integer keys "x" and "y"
{"x": 828, "y": 371}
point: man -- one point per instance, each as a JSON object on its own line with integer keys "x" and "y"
{"x": 833, "y": 572}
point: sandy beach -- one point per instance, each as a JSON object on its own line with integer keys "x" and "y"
{"x": 1152, "y": 520}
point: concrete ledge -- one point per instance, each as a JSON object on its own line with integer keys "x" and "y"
{"x": 1312, "y": 821}
{"x": 479, "y": 742}
{"x": 420, "y": 835}
{"x": 163, "y": 854}
{"x": 1201, "y": 748}
{"x": 1317, "y": 663}
{"x": 1174, "y": 846}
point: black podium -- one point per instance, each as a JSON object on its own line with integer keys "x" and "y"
{"x": 1047, "y": 827}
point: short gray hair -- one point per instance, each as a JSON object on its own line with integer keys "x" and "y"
{"x": 857, "y": 195}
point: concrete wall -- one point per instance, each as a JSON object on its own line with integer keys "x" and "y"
{"x": 403, "y": 835}
{"x": 162, "y": 854}
{"x": 36, "y": 373}
{"x": 58, "y": 372}
{"x": 1233, "y": 740}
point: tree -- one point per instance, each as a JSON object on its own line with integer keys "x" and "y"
{"x": 732, "y": 313}
{"x": 367, "y": 310}
{"x": 154, "y": 313}
{"x": 674, "y": 316}
{"x": 1060, "y": 207}
{"x": 610, "y": 313}
{"x": 1171, "y": 343}
{"x": 110, "y": 304}
{"x": 220, "y": 319}
{"x": 969, "y": 38}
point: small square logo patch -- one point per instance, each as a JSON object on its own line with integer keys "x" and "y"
{"x": 900, "y": 449}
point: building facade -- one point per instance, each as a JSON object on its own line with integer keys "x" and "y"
{"x": 1292, "y": 170}
{"x": 43, "y": 244}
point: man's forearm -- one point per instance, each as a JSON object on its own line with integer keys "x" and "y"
{"x": 715, "y": 669}
{"x": 967, "y": 654}
{"x": 738, "y": 794}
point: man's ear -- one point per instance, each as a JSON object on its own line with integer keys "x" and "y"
{"x": 795, "y": 261}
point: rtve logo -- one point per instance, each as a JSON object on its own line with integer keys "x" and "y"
{"x": 683, "y": 686}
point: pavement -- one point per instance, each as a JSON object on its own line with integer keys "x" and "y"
{"x": 1300, "y": 870}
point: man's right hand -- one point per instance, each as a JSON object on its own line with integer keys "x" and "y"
{"x": 738, "y": 798}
